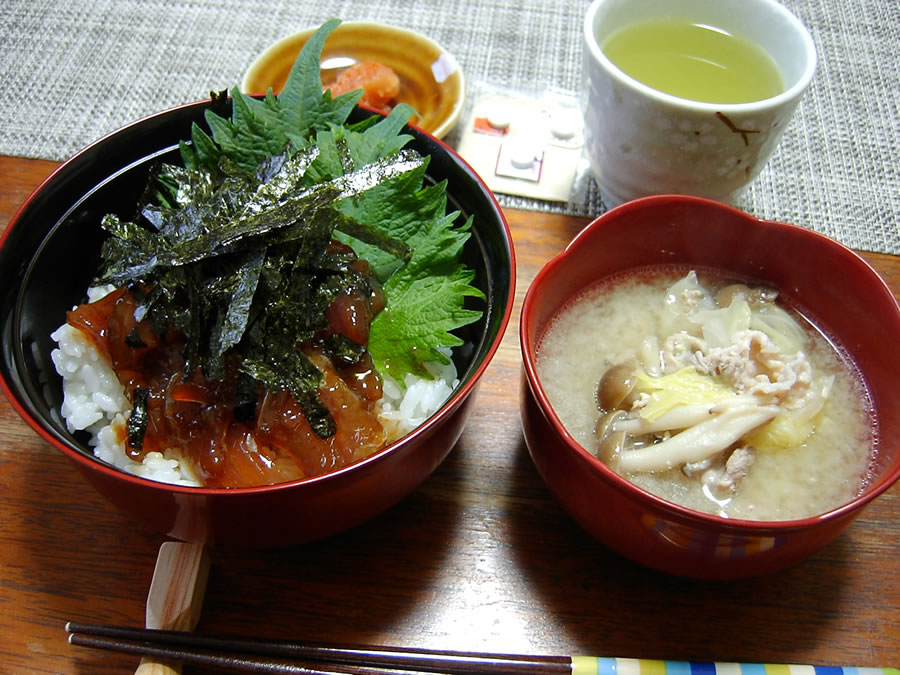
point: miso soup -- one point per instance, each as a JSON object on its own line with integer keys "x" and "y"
{"x": 712, "y": 394}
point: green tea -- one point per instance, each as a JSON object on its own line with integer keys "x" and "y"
{"x": 694, "y": 61}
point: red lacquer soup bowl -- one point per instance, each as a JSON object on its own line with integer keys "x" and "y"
{"x": 845, "y": 297}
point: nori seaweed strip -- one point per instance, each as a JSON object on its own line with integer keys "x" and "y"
{"x": 137, "y": 422}
{"x": 283, "y": 173}
{"x": 233, "y": 289}
{"x": 133, "y": 252}
{"x": 337, "y": 221}
{"x": 130, "y": 253}
{"x": 164, "y": 185}
{"x": 194, "y": 323}
{"x": 134, "y": 339}
{"x": 343, "y": 350}
{"x": 144, "y": 303}
{"x": 245, "y": 398}
{"x": 370, "y": 235}
{"x": 296, "y": 373}
{"x": 257, "y": 219}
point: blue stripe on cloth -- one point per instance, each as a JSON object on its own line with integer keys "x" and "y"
{"x": 832, "y": 670}
{"x": 703, "y": 668}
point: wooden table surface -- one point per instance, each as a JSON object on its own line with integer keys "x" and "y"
{"x": 480, "y": 557}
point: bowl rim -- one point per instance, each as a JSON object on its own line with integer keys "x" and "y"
{"x": 288, "y": 41}
{"x": 619, "y": 482}
{"x": 87, "y": 461}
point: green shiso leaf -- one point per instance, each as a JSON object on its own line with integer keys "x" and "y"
{"x": 234, "y": 249}
{"x": 262, "y": 128}
{"x": 427, "y": 296}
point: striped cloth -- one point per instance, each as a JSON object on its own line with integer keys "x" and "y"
{"x": 74, "y": 70}
{"x": 592, "y": 665}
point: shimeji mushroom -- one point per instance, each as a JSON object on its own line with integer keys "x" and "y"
{"x": 698, "y": 442}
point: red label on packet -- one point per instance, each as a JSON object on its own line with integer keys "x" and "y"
{"x": 483, "y": 126}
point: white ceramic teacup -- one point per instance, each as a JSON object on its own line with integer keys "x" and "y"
{"x": 641, "y": 141}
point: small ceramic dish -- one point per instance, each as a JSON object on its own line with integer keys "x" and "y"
{"x": 430, "y": 78}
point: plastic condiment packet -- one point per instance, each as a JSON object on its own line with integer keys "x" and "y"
{"x": 525, "y": 145}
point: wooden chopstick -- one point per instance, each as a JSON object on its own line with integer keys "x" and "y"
{"x": 270, "y": 656}
{"x": 175, "y": 599}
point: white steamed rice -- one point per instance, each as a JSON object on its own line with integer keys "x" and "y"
{"x": 94, "y": 401}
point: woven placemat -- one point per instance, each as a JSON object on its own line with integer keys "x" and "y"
{"x": 75, "y": 70}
